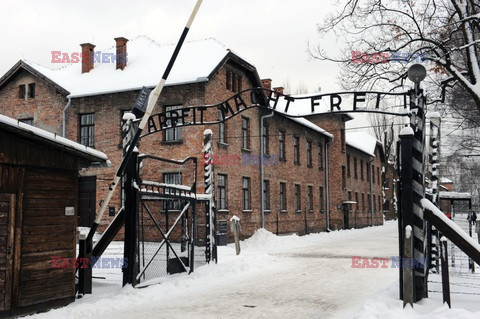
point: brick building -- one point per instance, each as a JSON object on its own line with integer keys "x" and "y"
{"x": 390, "y": 192}
{"x": 310, "y": 182}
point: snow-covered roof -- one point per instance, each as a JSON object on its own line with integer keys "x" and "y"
{"x": 445, "y": 180}
{"x": 443, "y": 187}
{"x": 16, "y": 124}
{"x": 146, "y": 62}
{"x": 362, "y": 141}
{"x": 303, "y": 121}
{"x": 455, "y": 195}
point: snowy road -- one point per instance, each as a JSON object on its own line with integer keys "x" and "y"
{"x": 274, "y": 277}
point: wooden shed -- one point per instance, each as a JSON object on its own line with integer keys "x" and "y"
{"x": 38, "y": 215}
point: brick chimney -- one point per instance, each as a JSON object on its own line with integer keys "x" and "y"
{"x": 121, "y": 52}
{"x": 87, "y": 57}
{"x": 278, "y": 90}
{"x": 267, "y": 84}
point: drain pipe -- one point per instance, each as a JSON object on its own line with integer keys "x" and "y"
{"x": 262, "y": 173}
{"x": 64, "y": 129}
{"x": 370, "y": 167}
{"x": 327, "y": 192}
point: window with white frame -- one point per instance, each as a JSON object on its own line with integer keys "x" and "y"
{"x": 175, "y": 133}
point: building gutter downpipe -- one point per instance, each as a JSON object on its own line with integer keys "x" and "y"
{"x": 262, "y": 173}
{"x": 64, "y": 128}
{"x": 327, "y": 191}
{"x": 371, "y": 189}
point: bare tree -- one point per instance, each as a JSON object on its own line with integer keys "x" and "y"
{"x": 386, "y": 130}
{"x": 444, "y": 33}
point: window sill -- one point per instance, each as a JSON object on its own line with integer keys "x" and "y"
{"x": 298, "y": 211}
{"x": 297, "y": 163}
{"x": 172, "y": 142}
{"x": 310, "y": 166}
{"x": 283, "y": 211}
{"x": 222, "y": 145}
{"x": 223, "y": 211}
{"x": 247, "y": 210}
{"x": 246, "y": 150}
{"x": 310, "y": 211}
{"x": 267, "y": 211}
{"x": 283, "y": 160}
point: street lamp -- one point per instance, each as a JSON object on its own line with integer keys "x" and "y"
{"x": 416, "y": 73}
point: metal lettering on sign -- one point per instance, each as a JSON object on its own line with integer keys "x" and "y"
{"x": 341, "y": 102}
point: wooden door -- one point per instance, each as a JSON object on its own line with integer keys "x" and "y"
{"x": 7, "y": 213}
{"x": 86, "y": 200}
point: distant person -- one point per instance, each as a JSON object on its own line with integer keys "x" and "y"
{"x": 449, "y": 215}
{"x": 472, "y": 217}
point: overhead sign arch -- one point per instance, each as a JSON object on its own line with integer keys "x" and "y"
{"x": 329, "y": 103}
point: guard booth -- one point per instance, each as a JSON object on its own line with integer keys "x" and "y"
{"x": 38, "y": 216}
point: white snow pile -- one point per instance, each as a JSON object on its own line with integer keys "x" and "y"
{"x": 455, "y": 195}
{"x": 386, "y": 304}
{"x": 274, "y": 277}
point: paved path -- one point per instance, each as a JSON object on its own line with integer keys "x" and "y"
{"x": 312, "y": 280}
{"x": 317, "y": 282}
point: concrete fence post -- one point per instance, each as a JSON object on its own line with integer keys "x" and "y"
{"x": 407, "y": 268}
{"x": 236, "y": 229}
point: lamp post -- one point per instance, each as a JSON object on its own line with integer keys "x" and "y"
{"x": 417, "y": 73}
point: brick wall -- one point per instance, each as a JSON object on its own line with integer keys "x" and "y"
{"x": 45, "y": 109}
{"x": 368, "y": 170}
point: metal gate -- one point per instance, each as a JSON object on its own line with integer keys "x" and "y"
{"x": 167, "y": 221}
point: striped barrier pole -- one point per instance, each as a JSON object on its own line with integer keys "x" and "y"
{"x": 417, "y": 123}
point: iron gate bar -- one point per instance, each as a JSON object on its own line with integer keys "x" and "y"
{"x": 165, "y": 240}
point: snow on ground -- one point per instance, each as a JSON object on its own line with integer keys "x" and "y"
{"x": 273, "y": 277}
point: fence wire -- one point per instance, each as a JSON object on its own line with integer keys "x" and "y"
{"x": 462, "y": 280}
{"x": 157, "y": 257}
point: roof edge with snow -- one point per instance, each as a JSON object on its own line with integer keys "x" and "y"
{"x": 91, "y": 154}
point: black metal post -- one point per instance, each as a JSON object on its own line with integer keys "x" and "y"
{"x": 399, "y": 220}
{"x": 445, "y": 275}
{"x": 131, "y": 218}
{"x": 406, "y": 198}
{"x": 84, "y": 274}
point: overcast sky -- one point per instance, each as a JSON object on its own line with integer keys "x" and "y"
{"x": 270, "y": 34}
